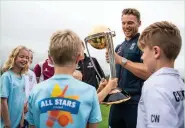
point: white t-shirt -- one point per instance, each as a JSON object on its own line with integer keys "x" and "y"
{"x": 161, "y": 103}
{"x": 30, "y": 80}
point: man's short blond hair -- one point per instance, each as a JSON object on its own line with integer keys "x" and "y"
{"x": 163, "y": 34}
{"x": 64, "y": 47}
{"x": 132, "y": 11}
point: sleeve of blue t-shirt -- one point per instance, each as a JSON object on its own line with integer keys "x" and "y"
{"x": 95, "y": 114}
{"x": 160, "y": 112}
{"x": 30, "y": 117}
{"x": 5, "y": 85}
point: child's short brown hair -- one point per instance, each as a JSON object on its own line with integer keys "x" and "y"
{"x": 163, "y": 34}
{"x": 64, "y": 47}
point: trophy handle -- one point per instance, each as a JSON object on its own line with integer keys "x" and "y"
{"x": 100, "y": 41}
{"x": 102, "y": 79}
{"x": 110, "y": 50}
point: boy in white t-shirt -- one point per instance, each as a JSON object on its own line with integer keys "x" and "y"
{"x": 31, "y": 76}
{"x": 30, "y": 81}
{"x": 161, "y": 102}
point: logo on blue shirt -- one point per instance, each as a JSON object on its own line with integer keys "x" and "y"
{"x": 59, "y": 103}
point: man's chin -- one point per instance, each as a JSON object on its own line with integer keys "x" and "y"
{"x": 128, "y": 35}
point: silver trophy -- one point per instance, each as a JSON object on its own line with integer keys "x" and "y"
{"x": 101, "y": 37}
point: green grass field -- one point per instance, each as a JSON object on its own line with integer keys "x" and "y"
{"x": 105, "y": 116}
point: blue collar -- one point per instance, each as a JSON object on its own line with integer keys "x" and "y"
{"x": 59, "y": 76}
{"x": 133, "y": 38}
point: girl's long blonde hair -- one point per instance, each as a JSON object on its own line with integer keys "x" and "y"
{"x": 11, "y": 60}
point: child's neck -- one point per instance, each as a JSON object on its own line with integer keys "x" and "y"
{"x": 169, "y": 64}
{"x": 64, "y": 70}
{"x": 16, "y": 70}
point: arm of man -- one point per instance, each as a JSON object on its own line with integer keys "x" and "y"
{"x": 37, "y": 71}
{"x": 138, "y": 69}
{"x": 5, "y": 112}
{"x": 160, "y": 112}
{"x": 95, "y": 114}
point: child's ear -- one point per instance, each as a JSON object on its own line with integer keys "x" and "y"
{"x": 79, "y": 57}
{"x": 157, "y": 52}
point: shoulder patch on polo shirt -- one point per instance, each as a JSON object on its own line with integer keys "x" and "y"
{"x": 132, "y": 46}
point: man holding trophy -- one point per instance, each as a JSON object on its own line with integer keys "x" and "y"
{"x": 126, "y": 65}
{"x": 131, "y": 72}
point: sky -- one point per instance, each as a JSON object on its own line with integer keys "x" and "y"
{"x": 31, "y": 23}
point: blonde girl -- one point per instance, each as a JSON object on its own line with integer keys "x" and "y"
{"x": 12, "y": 85}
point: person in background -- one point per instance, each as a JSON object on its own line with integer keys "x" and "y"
{"x": 31, "y": 75}
{"x": 30, "y": 82}
{"x": 44, "y": 70}
{"x": 12, "y": 84}
{"x": 89, "y": 74}
{"x": 104, "y": 87}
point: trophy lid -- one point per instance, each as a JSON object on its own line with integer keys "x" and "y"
{"x": 99, "y": 29}
{"x": 97, "y": 37}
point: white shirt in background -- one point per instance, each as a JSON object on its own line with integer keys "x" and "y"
{"x": 30, "y": 80}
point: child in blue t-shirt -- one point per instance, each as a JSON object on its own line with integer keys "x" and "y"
{"x": 13, "y": 88}
{"x": 62, "y": 100}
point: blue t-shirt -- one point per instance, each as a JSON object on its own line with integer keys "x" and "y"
{"x": 13, "y": 88}
{"x": 63, "y": 101}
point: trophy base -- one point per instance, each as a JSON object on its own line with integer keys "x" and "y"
{"x": 116, "y": 98}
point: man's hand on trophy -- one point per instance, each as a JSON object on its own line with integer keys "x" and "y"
{"x": 117, "y": 57}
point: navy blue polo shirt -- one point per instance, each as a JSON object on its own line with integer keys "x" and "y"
{"x": 126, "y": 79}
